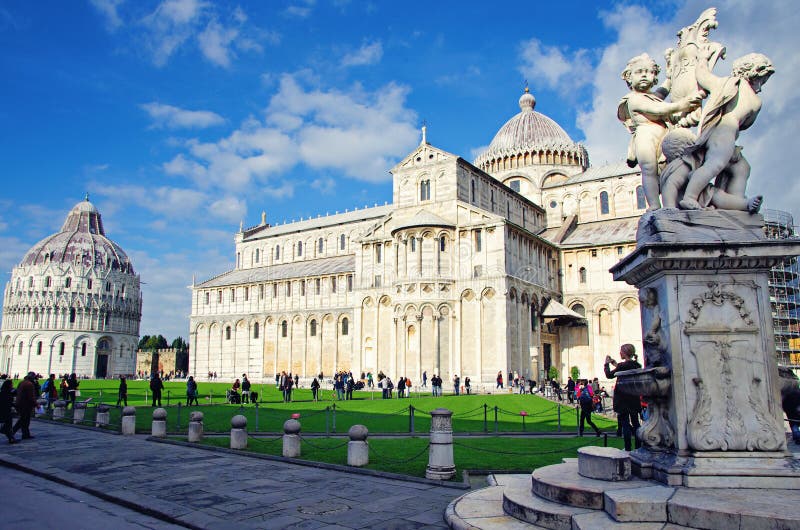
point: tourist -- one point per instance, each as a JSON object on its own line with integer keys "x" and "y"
{"x": 456, "y": 384}
{"x": 586, "y": 402}
{"x": 401, "y": 388}
{"x": 235, "y": 389}
{"x": 532, "y": 384}
{"x": 570, "y": 390}
{"x": 467, "y": 385}
{"x": 287, "y": 388}
{"x": 349, "y": 387}
{"x": 369, "y": 380}
{"x": 314, "y": 389}
{"x": 245, "y": 389}
{"x": 156, "y": 385}
{"x": 191, "y": 392}
{"x": 626, "y": 407}
{"x": 72, "y": 388}
{"x": 6, "y": 401}
{"x": 389, "y": 387}
{"x": 556, "y": 389}
{"x": 64, "y": 387}
{"x": 522, "y": 384}
{"x": 122, "y": 393}
{"x": 25, "y": 405}
{"x": 500, "y": 379}
{"x": 296, "y": 380}
{"x": 338, "y": 385}
{"x": 50, "y": 390}
{"x": 425, "y": 379}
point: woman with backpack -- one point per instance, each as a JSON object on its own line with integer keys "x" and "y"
{"x": 586, "y": 402}
{"x": 626, "y": 407}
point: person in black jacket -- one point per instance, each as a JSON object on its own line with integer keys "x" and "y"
{"x": 245, "y": 389}
{"x": 156, "y": 385}
{"x": 6, "y": 402}
{"x": 626, "y": 407}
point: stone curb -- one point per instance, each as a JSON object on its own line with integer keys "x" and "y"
{"x": 79, "y": 426}
{"x": 318, "y": 465}
{"x": 126, "y": 499}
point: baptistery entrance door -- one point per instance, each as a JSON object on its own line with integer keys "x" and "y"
{"x": 101, "y": 358}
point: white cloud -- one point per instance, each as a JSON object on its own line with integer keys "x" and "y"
{"x": 743, "y": 27}
{"x": 108, "y": 9}
{"x": 164, "y": 200}
{"x": 171, "y": 24}
{"x": 367, "y": 54}
{"x": 358, "y": 133}
{"x": 229, "y": 209}
{"x": 325, "y": 186}
{"x": 176, "y": 118}
{"x": 215, "y": 42}
{"x": 284, "y": 191}
{"x": 555, "y": 67}
{"x": 300, "y": 9}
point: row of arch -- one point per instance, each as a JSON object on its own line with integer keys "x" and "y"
{"x": 577, "y": 157}
{"x": 288, "y": 250}
{"x": 603, "y": 203}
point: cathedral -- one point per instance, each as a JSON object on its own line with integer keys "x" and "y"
{"x": 474, "y": 269}
{"x": 73, "y": 304}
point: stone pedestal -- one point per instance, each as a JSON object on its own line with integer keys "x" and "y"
{"x": 103, "y": 416}
{"x": 78, "y": 412}
{"x": 238, "y": 432}
{"x": 441, "y": 465}
{"x": 291, "y": 439}
{"x": 58, "y": 409}
{"x": 159, "y": 428}
{"x": 357, "y": 447}
{"x": 707, "y": 326}
{"x": 129, "y": 421}
{"x": 195, "y": 433}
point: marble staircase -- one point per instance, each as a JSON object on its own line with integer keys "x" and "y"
{"x": 597, "y": 492}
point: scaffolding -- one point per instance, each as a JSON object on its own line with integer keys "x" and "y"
{"x": 783, "y": 291}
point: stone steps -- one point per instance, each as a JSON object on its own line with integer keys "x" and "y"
{"x": 483, "y": 510}
{"x": 561, "y": 483}
{"x": 521, "y": 503}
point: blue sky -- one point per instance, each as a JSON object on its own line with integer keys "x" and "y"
{"x": 183, "y": 117}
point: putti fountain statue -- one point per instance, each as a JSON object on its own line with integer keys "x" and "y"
{"x": 701, "y": 265}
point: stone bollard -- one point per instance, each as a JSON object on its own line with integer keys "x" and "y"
{"x": 129, "y": 420}
{"x": 440, "y": 459}
{"x": 58, "y": 409}
{"x": 357, "y": 447}
{"x": 291, "y": 439}
{"x": 195, "y": 426}
{"x": 159, "y": 429}
{"x": 78, "y": 412}
{"x": 41, "y": 405}
{"x": 238, "y": 432}
{"x": 103, "y": 416}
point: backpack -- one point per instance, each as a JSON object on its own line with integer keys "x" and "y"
{"x": 585, "y": 399}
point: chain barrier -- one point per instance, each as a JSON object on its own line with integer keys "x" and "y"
{"x": 264, "y": 440}
{"x": 510, "y": 453}
{"x": 392, "y": 461}
{"x": 320, "y": 448}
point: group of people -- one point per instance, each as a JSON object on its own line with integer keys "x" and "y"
{"x": 241, "y": 393}
{"x": 285, "y": 383}
{"x": 23, "y": 399}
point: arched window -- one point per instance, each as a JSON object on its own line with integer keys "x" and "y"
{"x": 604, "y": 322}
{"x": 320, "y": 245}
{"x": 578, "y": 308}
{"x": 30, "y": 281}
{"x": 227, "y": 333}
{"x": 255, "y": 330}
{"x": 533, "y": 317}
{"x": 299, "y": 248}
{"x": 107, "y": 319}
{"x": 604, "y": 203}
{"x": 425, "y": 190}
{"x": 238, "y": 260}
{"x": 345, "y": 326}
{"x": 472, "y": 190}
{"x": 47, "y": 281}
{"x": 413, "y": 244}
{"x": 83, "y": 350}
{"x": 515, "y": 185}
{"x": 208, "y": 297}
{"x": 60, "y": 348}
{"x": 258, "y": 255}
{"x": 19, "y": 350}
{"x": 68, "y": 282}
{"x": 313, "y": 328}
{"x": 582, "y": 275}
{"x": 341, "y": 242}
{"x": 641, "y": 203}
{"x": 39, "y": 348}
{"x": 284, "y": 328}
{"x": 89, "y": 283}
{"x": 72, "y": 315}
{"x": 378, "y": 252}
{"x": 277, "y": 252}
{"x": 442, "y": 244}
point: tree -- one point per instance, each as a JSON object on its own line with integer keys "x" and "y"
{"x": 179, "y": 345}
{"x": 552, "y": 373}
{"x": 143, "y": 342}
{"x": 156, "y": 343}
{"x": 575, "y": 372}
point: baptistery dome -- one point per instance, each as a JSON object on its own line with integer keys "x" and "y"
{"x": 531, "y": 138}
{"x": 73, "y": 304}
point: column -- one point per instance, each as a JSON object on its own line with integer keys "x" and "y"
{"x": 418, "y": 376}
{"x": 436, "y": 349}
{"x": 394, "y": 348}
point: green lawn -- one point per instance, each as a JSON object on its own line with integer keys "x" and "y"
{"x": 409, "y": 456}
{"x": 380, "y": 416}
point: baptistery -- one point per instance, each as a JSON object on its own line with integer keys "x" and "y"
{"x": 73, "y": 304}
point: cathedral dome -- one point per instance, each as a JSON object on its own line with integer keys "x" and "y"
{"x": 535, "y": 138}
{"x": 82, "y": 240}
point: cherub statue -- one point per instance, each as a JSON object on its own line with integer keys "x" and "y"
{"x": 683, "y": 157}
{"x": 646, "y": 114}
{"x": 733, "y": 105}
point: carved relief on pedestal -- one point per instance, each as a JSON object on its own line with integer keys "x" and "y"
{"x": 725, "y": 343}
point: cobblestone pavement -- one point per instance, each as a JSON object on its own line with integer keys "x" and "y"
{"x": 204, "y": 489}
